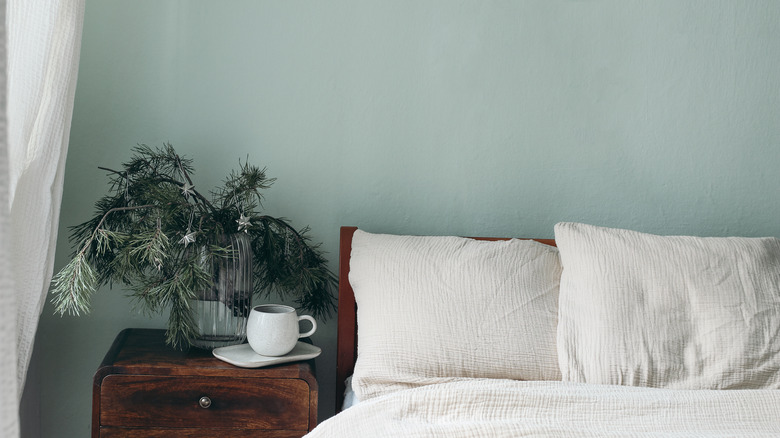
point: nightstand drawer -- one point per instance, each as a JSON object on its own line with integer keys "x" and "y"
{"x": 175, "y": 402}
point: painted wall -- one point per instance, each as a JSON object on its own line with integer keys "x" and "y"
{"x": 433, "y": 117}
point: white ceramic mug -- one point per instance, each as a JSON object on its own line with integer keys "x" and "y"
{"x": 272, "y": 329}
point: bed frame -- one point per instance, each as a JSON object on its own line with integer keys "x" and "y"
{"x": 346, "y": 342}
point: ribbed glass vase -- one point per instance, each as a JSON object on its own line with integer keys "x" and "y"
{"x": 221, "y": 311}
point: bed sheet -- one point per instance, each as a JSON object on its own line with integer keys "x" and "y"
{"x": 508, "y": 408}
{"x": 350, "y": 398}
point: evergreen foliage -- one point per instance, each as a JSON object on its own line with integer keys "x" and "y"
{"x": 144, "y": 232}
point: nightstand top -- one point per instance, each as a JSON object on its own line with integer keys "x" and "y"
{"x": 143, "y": 351}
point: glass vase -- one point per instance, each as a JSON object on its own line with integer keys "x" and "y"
{"x": 221, "y": 311}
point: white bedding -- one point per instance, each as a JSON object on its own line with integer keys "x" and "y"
{"x": 456, "y": 308}
{"x": 508, "y": 408}
{"x": 678, "y": 312}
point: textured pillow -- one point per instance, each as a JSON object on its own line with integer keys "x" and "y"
{"x": 432, "y": 309}
{"x": 678, "y": 312}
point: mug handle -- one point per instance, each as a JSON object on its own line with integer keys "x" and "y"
{"x": 313, "y": 326}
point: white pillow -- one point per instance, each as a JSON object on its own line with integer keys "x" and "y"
{"x": 678, "y": 312}
{"x": 433, "y": 309}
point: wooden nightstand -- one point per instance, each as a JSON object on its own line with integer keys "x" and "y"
{"x": 145, "y": 389}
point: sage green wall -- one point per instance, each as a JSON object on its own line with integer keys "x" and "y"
{"x": 426, "y": 117}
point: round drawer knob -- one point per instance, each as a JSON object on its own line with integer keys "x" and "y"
{"x": 204, "y": 402}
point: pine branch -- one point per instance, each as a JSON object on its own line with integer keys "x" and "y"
{"x": 128, "y": 240}
{"x": 292, "y": 266}
{"x": 73, "y": 286}
{"x": 106, "y": 240}
{"x": 181, "y": 324}
{"x": 243, "y": 188}
{"x": 150, "y": 248}
{"x": 114, "y": 210}
{"x": 202, "y": 202}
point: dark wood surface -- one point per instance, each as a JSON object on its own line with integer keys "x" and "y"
{"x": 145, "y": 389}
{"x": 346, "y": 341}
{"x": 346, "y": 337}
{"x": 118, "y": 432}
{"x": 196, "y": 433}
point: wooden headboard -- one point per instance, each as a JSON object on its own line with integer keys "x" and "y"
{"x": 346, "y": 342}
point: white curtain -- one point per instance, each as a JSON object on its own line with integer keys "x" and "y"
{"x": 42, "y": 40}
{"x": 9, "y": 416}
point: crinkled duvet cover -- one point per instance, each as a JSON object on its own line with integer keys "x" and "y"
{"x": 507, "y": 408}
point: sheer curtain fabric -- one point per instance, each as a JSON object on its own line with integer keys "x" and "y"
{"x": 9, "y": 416}
{"x": 42, "y": 40}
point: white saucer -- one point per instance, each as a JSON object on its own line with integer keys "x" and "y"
{"x": 243, "y": 356}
